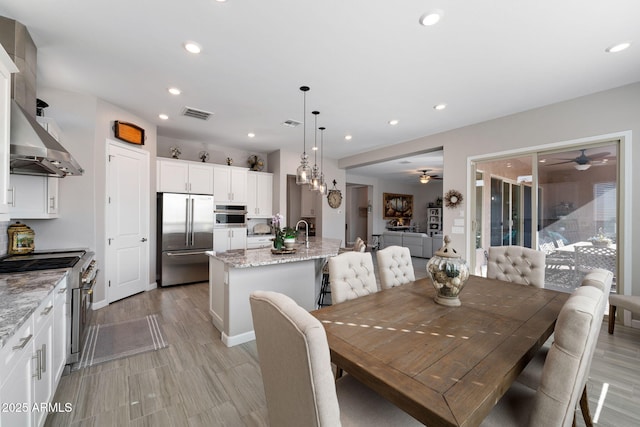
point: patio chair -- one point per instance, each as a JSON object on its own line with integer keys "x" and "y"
{"x": 588, "y": 258}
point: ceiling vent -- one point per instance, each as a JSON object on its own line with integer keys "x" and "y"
{"x": 196, "y": 114}
{"x": 291, "y": 123}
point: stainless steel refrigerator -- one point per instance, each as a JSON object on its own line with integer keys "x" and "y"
{"x": 185, "y": 232}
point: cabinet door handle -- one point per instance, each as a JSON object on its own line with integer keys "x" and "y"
{"x": 43, "y": 358}
{"x": 12, "y": 203}
{"x": 46, "y": 311}
{"x": 52, "y": 203}
{"x": 23, "y": 342}
{"x": 38, "y": 357}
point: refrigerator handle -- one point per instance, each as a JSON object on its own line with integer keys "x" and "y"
{"x": 186, "y": 223}
{"x": 193, "y": 231}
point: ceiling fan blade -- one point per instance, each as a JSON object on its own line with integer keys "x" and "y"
{"x": 560, "y": 163}
{"x": 597, "y": 156}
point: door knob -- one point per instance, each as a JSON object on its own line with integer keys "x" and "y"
{"x": 144, "y": 239}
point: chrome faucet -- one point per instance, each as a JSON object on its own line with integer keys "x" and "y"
{"x": 306, "y": 236}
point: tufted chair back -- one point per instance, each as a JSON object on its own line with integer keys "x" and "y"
{"x": 394, "y": 266}
{"x": 516, "y": 264}
{"x": 351, "y": 276}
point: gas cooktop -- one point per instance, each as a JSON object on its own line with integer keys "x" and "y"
{"x": 40, "y": 261}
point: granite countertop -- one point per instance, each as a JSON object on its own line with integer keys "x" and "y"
{"x": 318, "y": 248}
{"x": 20, "y": 296}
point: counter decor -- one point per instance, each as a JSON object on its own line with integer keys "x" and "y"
{"x": 285, "y": 238}
{"x": 449, "y": 273}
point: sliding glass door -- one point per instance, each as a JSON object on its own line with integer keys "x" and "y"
{"x": 573, "y": 217}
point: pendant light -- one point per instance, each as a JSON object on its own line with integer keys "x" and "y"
{"x": 303, "y": 173}
{"x": 322, "y": 189}
{"x": 314, "y": 185}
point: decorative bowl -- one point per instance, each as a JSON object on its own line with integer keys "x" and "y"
{"x": 449, "y": 273}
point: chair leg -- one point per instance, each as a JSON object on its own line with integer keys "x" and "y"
{"x": 338, "y": 372}
{"x": 612, "y": 318}
{"x": 584, "y": 406}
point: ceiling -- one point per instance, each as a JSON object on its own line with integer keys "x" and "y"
{"x": 367, "y": 62}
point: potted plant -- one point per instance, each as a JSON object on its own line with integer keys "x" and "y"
{"x": 289, "y": 237}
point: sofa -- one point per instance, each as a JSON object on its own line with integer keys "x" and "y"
{"x": 420, "y": 244}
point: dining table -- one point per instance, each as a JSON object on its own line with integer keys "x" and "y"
{"x": 445, "y": 366}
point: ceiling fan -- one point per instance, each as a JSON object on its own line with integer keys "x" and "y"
{"x": 424, "y": 178}
{"x": 583, "y": 162}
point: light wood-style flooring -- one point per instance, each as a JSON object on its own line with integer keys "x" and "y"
{"x": 198, "y": 381}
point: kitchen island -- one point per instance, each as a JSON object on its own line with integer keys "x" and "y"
{"x": 233, "y": 275}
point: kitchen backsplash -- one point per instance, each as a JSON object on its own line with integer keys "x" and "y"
{"x": 4, "y": 239}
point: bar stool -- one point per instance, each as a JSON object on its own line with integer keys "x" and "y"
{"x": 325, "y": 289}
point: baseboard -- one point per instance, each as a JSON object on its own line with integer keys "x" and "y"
{"x": 238, "y": 339}
{"x": 151, "y": 286}
{"x": 97, "y": 305}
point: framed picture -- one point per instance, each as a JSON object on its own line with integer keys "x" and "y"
{"x": 397, "y": 205}
{"x": 434, "y": 219}
{"x": 434, "y": 226}
{"x": 435, "y": 212}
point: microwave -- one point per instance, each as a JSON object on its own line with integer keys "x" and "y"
{"x": 230, "y": 216}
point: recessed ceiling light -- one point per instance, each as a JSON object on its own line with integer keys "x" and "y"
{"x": 542, "y": 161}
{"x": 393, "y": 122}
{"x": 250, "y": 134}
{"x": 348, "y": 137}
{"x": 618, "y": 47}
{"x": 163, "y": 116}
{"x": 174, "y": 91}
{"x": 440, "y": 106}
{"x": 431, "y": 18}
{"x": 221, "y": 1}
{"x": 193, "y": 47}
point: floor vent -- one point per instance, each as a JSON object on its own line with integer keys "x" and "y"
{"x": 291, "y": 123}
{"x": 196, "y": 114}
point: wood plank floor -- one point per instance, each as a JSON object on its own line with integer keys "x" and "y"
{"x": 197, "y": 381}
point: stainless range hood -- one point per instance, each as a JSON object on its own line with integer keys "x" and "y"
{"x": 33, "y": 150}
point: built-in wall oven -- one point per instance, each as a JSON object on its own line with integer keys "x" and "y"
{"x": 230, "y": 216}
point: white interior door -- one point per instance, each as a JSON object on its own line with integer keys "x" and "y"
{"x": 128, "y": 221}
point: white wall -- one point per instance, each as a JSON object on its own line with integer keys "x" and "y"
{"x": 86, "y": 123}
{"x": 602, "y": 113}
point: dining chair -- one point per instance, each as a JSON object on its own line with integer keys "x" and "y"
{"x": 626, "y": 302}
{"x": 565, "y": 370}
{"x": 555, "y": 259}
{"x": 516, "y": 264}
{"x": 351, "y": 275}
{"x": 395, "y": 267}
{"x": 295, "y": 362}
{"x": 530, "y": 376}
{"x": 358, "y": 246}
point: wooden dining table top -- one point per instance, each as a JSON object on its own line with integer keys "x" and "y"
{"x": 446, "y": 366}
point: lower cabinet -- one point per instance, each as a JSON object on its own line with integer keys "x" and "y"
{"x": 29, "y": 366}
{"x": 226, "y": 239}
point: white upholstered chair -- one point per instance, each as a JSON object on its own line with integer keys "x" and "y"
{"x": 296, "y": 372}
{"x": 626, "y": 302}
{"x": 395, "y": 267}
{"x": 565, "y": 370}
{"x": 358, "y": 246}
{"x": 351, "y": 275}
{"x": 516, "y": 264}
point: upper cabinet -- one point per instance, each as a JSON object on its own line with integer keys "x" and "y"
{"x": 6, "y": 68}
{"x": 229, "y": 185}
{"x": 182, "y": 176}
{"x": 259, "y": 194}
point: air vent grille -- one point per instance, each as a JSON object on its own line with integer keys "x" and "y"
{"x": 291, "y": 123}
{"x": 196, "y": 114}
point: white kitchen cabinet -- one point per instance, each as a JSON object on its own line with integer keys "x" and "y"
{"x": 43, "y": 378}
{"x": 7, "y": 67}
{"x": 60, "y": 319}
{"x": 308, "y": 201}
{"x": 33, "y": 197}
{"x": 16, "y": 383}
{"x": 225, "y": 239}
{"x": 182, "y": 176}
{"x": 258, "y": 242}
{"x": 259, "y": 194}
{"x": 229, "y": 185}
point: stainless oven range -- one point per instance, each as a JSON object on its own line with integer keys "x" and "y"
{"x": 83, "y": 271}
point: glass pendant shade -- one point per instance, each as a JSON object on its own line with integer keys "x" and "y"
{"x": 322, "y": 189}
{"x": 303, "y": 173}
